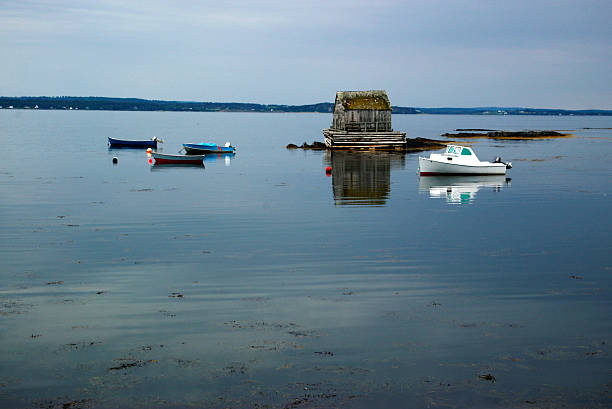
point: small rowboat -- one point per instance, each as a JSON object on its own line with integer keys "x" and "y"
{"x": 201, "y": 148}
{"x": 460, "y": 160}
{"x": 122, "y": 143}
{"x": 166, "y": 159}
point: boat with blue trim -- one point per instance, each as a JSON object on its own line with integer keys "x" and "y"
{"x": 203, "y": 148}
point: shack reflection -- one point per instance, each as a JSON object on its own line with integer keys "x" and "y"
{"x": 362, "y": 178}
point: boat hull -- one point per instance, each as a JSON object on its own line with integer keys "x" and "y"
{"x": 199, "y": 149}
{"x": 433, "y": 167}
{"x": 121, "y": 143}
{"x": 166, "y": 159}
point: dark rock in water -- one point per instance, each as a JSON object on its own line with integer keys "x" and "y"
{"x": 317, "y": 146}
{"x": 524, "y": 134}
{"x": 488, "y": 377}
{"x": 507, "y": 134}
{"x": 412, "y": 145}
{"x": 465, "y": 135}
{"x": 474, "y": 130}
{"x": 131, "y": 363}
{"x": 60, "y": 282}
{"x": 423, "y": 144}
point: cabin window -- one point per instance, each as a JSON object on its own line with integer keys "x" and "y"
{"x": 466, "y": 152}
{"x": 454, "y": 150}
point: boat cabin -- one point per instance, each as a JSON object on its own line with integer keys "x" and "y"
{"x": 456, "y": 154}
{"x": 456, "y": 150}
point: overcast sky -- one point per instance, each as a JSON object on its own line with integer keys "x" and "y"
{"x": 430, "y": 53}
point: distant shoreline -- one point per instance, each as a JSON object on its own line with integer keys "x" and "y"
{"x": 136, "y": 104}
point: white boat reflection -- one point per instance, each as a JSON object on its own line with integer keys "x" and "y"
{"x": 460, "y": 189}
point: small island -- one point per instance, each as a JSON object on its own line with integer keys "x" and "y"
{"x": 411, "y": 145}
{"x": 508, "y": 135}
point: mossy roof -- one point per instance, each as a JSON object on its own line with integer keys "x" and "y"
{"x": 372, "y": 100}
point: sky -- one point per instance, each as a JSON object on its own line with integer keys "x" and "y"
{"x": 429, "y": 53}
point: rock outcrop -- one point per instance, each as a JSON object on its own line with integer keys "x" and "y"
{"x": 516, "y": 135}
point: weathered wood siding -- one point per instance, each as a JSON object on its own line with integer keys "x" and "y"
{"x": 361, "y": 120}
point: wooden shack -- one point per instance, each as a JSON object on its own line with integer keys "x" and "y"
{"x": 362, "y": 120}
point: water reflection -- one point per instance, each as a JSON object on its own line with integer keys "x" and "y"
{"x": 362, "y": 178}
{"x": 226, "y": 158}
{"x": 159, "y": 167}
{"x": 460, "y": 189}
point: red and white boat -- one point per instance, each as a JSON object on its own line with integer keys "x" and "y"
{"x": 460, "y": 160}
{"x": 167, "y": 159}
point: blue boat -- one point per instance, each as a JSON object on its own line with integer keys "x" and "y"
{"x": 121, "y": 143}
{"x": 203, "y": 148}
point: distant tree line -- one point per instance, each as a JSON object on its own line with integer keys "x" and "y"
{"x": 136, "y": 104}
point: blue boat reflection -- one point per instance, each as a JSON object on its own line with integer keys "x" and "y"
{"x": 226, "y": 158}
{"x": 460, "y": 189}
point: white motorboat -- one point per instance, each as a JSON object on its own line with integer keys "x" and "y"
{"x": 460, "y": 160}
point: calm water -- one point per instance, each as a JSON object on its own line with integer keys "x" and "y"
{"x": 258, "y": 280}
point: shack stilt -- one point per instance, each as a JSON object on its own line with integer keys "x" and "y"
{"x": 362, "y": 120}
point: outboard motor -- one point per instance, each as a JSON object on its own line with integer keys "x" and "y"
{"x": 498, "y": 160}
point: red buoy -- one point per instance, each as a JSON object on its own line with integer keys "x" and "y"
{"x": 328, "y": 169}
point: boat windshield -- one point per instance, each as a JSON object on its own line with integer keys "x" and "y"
{"x": 458, "y": 150}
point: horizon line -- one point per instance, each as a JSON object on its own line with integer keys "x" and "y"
{"x": 296, "y": 105}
